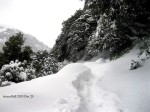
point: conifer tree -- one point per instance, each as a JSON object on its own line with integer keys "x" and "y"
{"x": 14, "y": 50}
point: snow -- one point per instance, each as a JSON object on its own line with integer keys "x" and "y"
{"x": 23, "y": 76}
{"x": 101, "y": 86}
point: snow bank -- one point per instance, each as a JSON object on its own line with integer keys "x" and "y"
{"x": 73, "y": 89}
{"x": 88, "y": 96}
{"x": 131, "y": 86}
{"x": 99, "y": 86}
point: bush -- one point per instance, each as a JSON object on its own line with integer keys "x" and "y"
{"x": 143, "y": 56}
{"x": 5, "y": 83}
{"x": 135, "y": 65}
{"x": 15, "y": 72}
{"x": 44, "y": 63}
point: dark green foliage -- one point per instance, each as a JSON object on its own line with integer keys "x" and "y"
{"x": 38, "y": 59}
{"x": 41, "y": 64}
{"x": 71, "y": 43}
{"x": 2, "y": 59}
{"x": 13, "y": 49}
{"x": 61, "y": 47}
{"x": 44, "y": 63}
{"x": 102, "y": 26}
{"x": 25, "y": 54}
{"x": 97, "y": 6}
{"x": 110, "y": 35}
{"x": 117, "y": 25}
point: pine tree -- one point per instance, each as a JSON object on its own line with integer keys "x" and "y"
{"x": 12, "y": 48}
{"x": 44, "y": 63}
{"x": 26, "y": 53}
{"x": 113, "y": 29}
{"x": 60, "y": 49}
{"x": 2, "y": 59}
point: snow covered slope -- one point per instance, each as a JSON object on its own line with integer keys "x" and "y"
{"x": 36, "y": 45}
{"x": 83, "y": 87}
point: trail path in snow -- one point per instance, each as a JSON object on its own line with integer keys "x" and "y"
{"x": 85, "y": 87}
{"x": 89, "y": 96}
{"x": 76, "y": 88}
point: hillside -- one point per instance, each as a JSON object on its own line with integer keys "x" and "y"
{"x": 35, "y": 44}
{"x": 84, "y": 87}
{"x": 108, "y": 27}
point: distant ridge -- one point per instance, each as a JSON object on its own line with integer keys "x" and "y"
{"x": 30, "y": 40}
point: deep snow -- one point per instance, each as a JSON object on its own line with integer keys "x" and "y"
{"x": 99, "y": 86}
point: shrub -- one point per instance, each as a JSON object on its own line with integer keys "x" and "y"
{"x": 135, "y": 65}
{"x": 15, "y": 72}
{"x": 44, "y": 63}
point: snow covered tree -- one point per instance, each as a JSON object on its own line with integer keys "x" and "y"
{"x": 73, "y": 39}
{"x": 60, "y": 48}
{"x": 107, "y": 37}
{"x": 14, "y": 50}
{"x": 44, "y": 63}
{"x": 102, "y": 25}
{"x": 115, "y": 27}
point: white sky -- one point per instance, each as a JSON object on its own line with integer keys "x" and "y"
{"x": 40, "y": 18}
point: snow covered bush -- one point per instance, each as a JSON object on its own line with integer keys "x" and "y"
{"x": 44, "y": 63}
{"x": 6, "y": 83}
{"x": 49, "y": 66}
{"x": 143, "y": 54}
{"x": 16, "y": 72}
{"x": 144, "y": 46}
{"x": 135, "y": 65}
{"x": 141, "y": 59}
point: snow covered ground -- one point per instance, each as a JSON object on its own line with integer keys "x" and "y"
{"x": 99, "y": 86}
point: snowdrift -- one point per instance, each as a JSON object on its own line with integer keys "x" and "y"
{"x": 99, "y": 86}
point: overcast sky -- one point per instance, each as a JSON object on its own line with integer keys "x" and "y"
{"x": 40, "y": 18}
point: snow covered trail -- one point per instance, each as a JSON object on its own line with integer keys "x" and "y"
{"x": 131, "y": 86}
{"x": 74, "y": 89}
{"x": 99, "y": 86}
{"x": 89, "y": 97}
